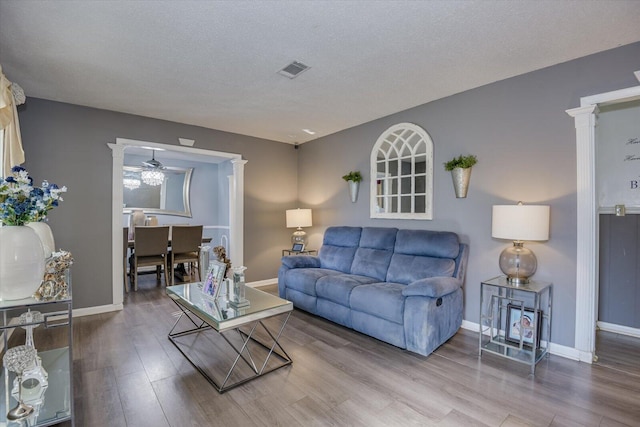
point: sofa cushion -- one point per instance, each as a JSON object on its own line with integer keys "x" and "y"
{"x": 304, "y": 279}
{"x": 374, "y": 254}
{"x": 408, "y": 268}
{"x": 339, "y": 247}
{"x": 380, "y": 299}
{"x": 337, "y": 288}
{"x": 438, "y": 244}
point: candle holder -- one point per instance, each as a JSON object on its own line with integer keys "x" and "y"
{"x": 237, "y": 298}
{"x": 35, "y": 380}
{"x": 17, "y": 359}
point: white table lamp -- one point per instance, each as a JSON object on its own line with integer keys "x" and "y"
{"x": 298, "y": 218}
{"x": 519, "y": 223}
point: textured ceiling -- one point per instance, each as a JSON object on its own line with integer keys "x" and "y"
{"x": 214, "y": 63}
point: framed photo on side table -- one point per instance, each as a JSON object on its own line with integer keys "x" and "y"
{"x": 297, "y": 247}
{"x": 522, "y": 325}
{"x": 215, "y": 278}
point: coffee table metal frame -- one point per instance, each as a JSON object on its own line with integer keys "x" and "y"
{"x": 204, "y": 319}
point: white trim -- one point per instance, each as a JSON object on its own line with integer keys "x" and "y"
{"x": 555, "y": 349}
{"x": 265, "y": 282}
{"x": 90, "y": 311}
{"x": 619, "y": 329}
{"x": 587, "y": 230}
{"x": 399, "y": 144}
{"x": 614, "y": 97}
{"x": 585, "y": 118}
{"x": 236, "y": 202}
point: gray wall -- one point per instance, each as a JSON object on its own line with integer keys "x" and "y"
{"x": 526, "y": 145}
{"x": 67, "y": 144}
{"x": 619, "y": 299}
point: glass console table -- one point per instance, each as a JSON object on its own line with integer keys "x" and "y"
{"x": 515, "y": 320}
{"x": 53, "y": 403}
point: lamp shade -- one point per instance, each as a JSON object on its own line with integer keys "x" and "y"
{"x": 297, "y": 218}
{"x": 520, "y": 222}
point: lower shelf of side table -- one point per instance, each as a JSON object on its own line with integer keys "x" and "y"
{"x": 56, "y": 406}
{"x": 498, "y": 345}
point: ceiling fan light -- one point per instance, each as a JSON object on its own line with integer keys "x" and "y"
{"x": 152, "y": 177}
{"x": 131, "y": 183}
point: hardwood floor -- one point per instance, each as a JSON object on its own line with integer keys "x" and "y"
{"x": 127, "y": 373}
{"x": 618, "y": 352}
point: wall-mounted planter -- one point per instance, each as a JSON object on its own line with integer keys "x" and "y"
{"x": 461, "y": 178}
{"x": 354, "y": 187}
{"x": 353, "y": 178}
{"x": 460, "y": 168}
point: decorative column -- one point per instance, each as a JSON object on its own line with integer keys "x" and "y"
{"x": 587, "y": 231}
{"x": 236, "y": 213}
{"x": 117, "y": 151}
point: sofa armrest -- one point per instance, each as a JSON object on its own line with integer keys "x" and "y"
{"x": 301, "y": 261}
{"x": 434, "y": 287}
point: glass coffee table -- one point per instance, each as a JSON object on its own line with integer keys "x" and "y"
{"x": 229, "y": 346}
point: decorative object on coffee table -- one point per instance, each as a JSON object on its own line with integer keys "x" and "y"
{"x": 237, "y": 295}
{"x": 460, "y": 168}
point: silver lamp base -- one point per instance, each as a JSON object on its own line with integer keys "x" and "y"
{"x": 299, "y": 236}
{"x": 518, "y": 263}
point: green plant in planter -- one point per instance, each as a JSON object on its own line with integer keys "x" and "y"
{"x": 354, "y": 176}
{"x": 461, "y": 161}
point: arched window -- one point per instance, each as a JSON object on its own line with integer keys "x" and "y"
{"x": 402, "y": 173}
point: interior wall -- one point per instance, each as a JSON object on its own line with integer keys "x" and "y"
{"x": 67, "y": 144}
{"x": 619, "y": 293}
{"x": 526, "y": 149}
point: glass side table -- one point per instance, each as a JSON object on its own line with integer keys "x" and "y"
{"x": 53, "y": 401}
{"x": 305, "y": 252}
{"x": 515, "y": 321}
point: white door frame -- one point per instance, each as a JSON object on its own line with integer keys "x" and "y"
{"x": 236, "y": 204}
{"x": 586, "y": 117}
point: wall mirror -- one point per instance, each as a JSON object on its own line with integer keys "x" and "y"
{"x": 169, "y": 198}
{"x": 402, "y": 174}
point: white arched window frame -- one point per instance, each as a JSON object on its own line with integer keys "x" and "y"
{"x": 402, "y": 174}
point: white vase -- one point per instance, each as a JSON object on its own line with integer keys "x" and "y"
{"x": 43, "y": 231}
{"x": 354, "y": 186}
{"x": 21, "y": 262}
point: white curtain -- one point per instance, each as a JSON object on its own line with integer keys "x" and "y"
{"x": 11, "y": 141}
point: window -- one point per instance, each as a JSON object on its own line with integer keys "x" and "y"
{"x": 402, "y": 174}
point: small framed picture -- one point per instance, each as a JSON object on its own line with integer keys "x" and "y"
{"x": 214, "y": 279}
{"x": 523, "y": 325}
{"x": 297, "y": 247}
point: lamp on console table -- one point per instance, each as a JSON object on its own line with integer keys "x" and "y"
{"x": 519, "y": 223}
{"x": 298, "y": 218}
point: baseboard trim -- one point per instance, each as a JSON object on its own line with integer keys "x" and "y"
{"x": 265, "y": 282}
{"x": 555, "y": 349}
{"x": 88, "y": 311}
{"x": 619, "y": 329}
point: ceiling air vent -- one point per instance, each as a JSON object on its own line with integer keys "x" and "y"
{"x": 293, "y": 70}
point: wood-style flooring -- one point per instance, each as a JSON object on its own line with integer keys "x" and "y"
{"x": 127, "y": 373}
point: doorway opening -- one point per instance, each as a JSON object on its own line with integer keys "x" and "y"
{"x": 235, "y": 198}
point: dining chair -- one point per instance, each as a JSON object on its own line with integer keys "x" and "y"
{"x": 185, "y": 247}
{"x": 125, "y": 256}
{"x": 150, "y": 249}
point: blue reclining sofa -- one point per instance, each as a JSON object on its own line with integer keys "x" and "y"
{"x": 403, "y": 287}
